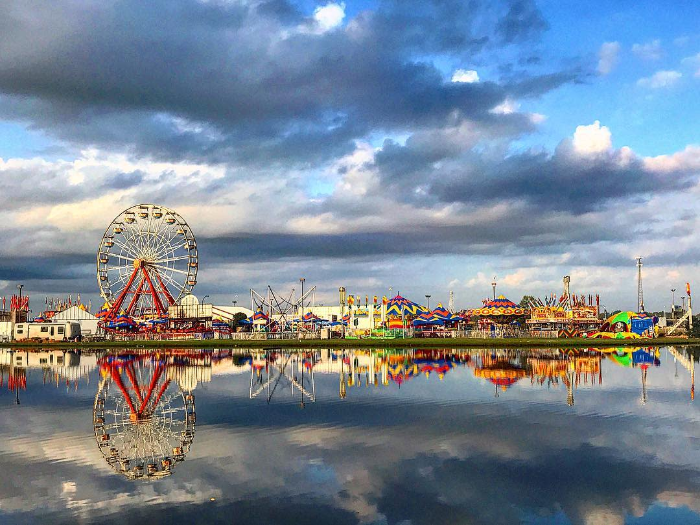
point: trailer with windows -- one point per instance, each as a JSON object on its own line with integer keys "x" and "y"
{"x": 64, "y": 331}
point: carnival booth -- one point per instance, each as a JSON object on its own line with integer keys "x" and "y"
{"x": 628, "y": 325}
{"x": 260, "y": 320}
{"x": 497, "y": 316}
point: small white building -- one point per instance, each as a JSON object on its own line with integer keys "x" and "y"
{"x": 5, "y": 331}
{"x": 88, "y": 322}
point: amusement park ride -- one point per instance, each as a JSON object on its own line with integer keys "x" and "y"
{"x": 147, "y": 265}
{"x": 146, "y": 262}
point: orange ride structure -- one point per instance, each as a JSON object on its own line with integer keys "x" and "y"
{"x": 566, "y": 315}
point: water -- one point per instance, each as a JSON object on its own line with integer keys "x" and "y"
{"x": 444, "y": 436}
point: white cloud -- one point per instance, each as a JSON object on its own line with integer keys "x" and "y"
{"x": 537, "y": 118}
{"x": 592, "y": 139}
{"x": 686, "y": 160}
{"x": 693, "y": 62}
{"x": 608, "y": 57}
{"x": 506, "y": 107}
{"x": 329, "y": 16}
{"x": 649, "y": 51}
{"x": 468, "y": 76}
{"x": 660, "y": 79}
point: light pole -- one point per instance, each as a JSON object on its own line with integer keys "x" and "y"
{"x": 302, "y": 280}
{"x": 427, "y": 299}
{"x": 204, "y": 298}
{"x": 673, "y": 303}
{"x": 493, "y": 284}
{"x": 19, "y": 287}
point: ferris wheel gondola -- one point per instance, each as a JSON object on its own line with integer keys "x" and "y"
{"x": 147, "y": 261}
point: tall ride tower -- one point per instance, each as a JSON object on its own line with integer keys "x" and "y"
{"x": 640, "y": 290}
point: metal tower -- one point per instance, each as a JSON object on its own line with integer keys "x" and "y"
{"x": 640, "y": 290}
{"x": 451, "y": 304}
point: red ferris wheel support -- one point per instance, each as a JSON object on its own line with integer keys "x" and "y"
{"x": 145, "y": 287}
{"x": 145, "y": 401}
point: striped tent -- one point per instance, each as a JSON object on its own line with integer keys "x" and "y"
{"x": 309, "y": 317}
{"x": 427, "y": 319}
{"x": 402, "y": 307}
{"x": 444, "y": 315}
{"x": 260, "y": 317}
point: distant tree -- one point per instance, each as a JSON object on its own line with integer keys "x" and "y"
{"x": 237, "y": 318}
{"x": 526, "y": 300}
{"x": 695, "y": 332}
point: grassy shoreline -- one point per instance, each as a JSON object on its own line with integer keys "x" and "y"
{"x": 373, "y": 343}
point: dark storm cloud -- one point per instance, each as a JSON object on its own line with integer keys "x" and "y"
{"x": 114, "y": 73}
{"x": 56, "y": 267}
{"x": 124, "y": 181}
{"x": 524, "y": 230}
{"x": 563, "y": 181}
{"x": 524, "y": 21}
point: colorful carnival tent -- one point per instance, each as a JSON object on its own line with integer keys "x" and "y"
{"x": 260, "y": 318}
{"x": 441, "y": 310}
{"x": 499, "y": 311}
{"x": 427, "y": 319}
{"x": 445, "y": 315}
{"x": 309, "y": 317}
{"x": 402, "y": 307}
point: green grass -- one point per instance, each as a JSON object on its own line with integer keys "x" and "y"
{"x": 374, "y": 343}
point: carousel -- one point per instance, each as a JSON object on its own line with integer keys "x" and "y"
{"x": 498, "y": 316}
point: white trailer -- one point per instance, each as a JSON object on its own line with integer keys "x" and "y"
{"x": 63, "y": 331}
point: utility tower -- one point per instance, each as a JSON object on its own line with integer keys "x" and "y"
{"x": 640, "y": 290}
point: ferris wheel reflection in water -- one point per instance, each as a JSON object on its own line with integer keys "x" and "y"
{"x": 144, "y": 420}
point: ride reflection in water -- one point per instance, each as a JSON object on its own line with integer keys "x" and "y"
{"x": 467, "y": 432}
{"x": 144, "y": 414}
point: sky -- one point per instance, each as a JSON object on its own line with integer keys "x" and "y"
{"x": 418, "y": 146}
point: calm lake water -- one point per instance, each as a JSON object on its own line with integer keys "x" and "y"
{"x": 338, "y": 436}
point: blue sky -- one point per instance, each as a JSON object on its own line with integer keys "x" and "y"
{"x": 362, "y": 144}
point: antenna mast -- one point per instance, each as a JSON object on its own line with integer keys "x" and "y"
{"x": 640, "y": 290}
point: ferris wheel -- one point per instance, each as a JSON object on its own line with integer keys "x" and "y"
{"x": 147, "y": 260}
{"x": 144, "y": 424}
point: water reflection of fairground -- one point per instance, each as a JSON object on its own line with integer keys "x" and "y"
{"x": 144, "y": 407}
